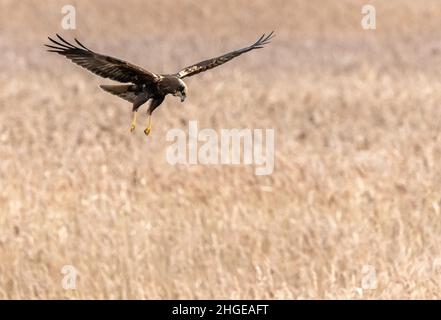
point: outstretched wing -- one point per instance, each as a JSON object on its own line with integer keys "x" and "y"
{"x": 104, "y": 66}
{"x": 214, "y": 62}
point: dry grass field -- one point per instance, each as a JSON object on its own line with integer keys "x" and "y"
{"x": 357, "y": 179}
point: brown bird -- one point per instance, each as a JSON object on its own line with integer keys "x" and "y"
{"x": 142, "y": 85}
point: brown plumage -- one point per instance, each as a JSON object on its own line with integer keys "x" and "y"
{"x": 144, "y": 85}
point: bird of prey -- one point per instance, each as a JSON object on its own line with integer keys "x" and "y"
{"x": 141, "y": 85}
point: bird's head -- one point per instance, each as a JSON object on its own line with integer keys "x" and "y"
{"x": 181, "y": 90}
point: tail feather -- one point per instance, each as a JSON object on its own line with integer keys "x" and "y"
{"x": 124, "y": 91}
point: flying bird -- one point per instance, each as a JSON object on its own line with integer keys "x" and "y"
{"x": 141, "y": 85}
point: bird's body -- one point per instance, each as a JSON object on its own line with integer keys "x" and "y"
{"x": 141, "y": 85}
{"x": 140, "y": 93}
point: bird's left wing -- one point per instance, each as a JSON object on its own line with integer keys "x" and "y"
{"x": 214, "y": 62}
{"x": 102, "y": 65}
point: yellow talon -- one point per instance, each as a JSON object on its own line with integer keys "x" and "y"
{"x": 133, "y": 125}
{"x": 149, "y": 126}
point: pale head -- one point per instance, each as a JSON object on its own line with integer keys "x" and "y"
{"x": 181, "y": 90}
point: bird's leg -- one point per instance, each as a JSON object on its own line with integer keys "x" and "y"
{"x": 153, "y": 105}
{"x": 133, "y": 125}
{"x": 149, "y": 124}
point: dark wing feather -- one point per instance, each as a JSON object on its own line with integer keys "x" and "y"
{"x": 214, "y": 62}
{"x": 102, "y": 65}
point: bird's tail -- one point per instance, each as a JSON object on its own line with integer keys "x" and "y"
{"x": 124, "y": 91}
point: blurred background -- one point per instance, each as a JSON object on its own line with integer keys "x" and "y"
{"x": 356, "y": 180}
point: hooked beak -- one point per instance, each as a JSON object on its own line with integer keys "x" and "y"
{"x": 181, "y": 95}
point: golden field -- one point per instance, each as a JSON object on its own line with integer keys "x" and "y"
{"x": 357, "y": 179}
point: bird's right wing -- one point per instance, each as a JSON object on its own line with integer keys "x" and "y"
{"x": 215, "y": 62}
{"x": 102, "y": 65}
